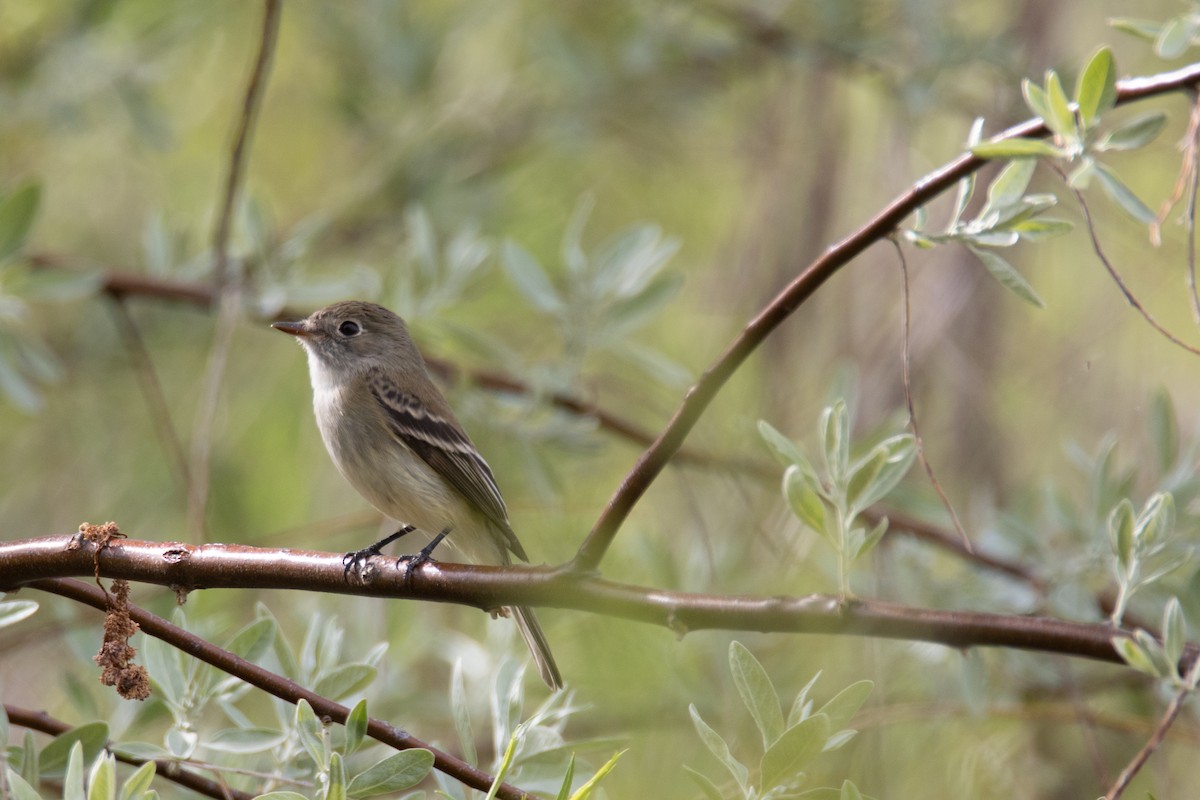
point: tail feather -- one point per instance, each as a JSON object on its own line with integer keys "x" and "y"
{"x": 532, "y": 633}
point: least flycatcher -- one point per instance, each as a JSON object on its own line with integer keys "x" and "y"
{"x": 392, "y": 435}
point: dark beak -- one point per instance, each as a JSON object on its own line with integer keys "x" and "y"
{"x": 294, "y": 328}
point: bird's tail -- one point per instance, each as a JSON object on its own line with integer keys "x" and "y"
{"x": 531, "y": 631}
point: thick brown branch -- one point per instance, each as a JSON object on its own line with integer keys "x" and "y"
{"x": 268, "y": 681}
{"x": 41, "y": 721}
{"x": 235, "y": 566}
{"x": 698, "y": 398}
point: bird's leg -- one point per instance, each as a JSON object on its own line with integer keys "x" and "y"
{"x": 423, "y": 557}
{"x": 356, "y": 560}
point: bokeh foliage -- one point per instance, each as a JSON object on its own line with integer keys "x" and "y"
{"x": 594, "y": 197}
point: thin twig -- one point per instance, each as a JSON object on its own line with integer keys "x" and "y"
{"x": 227, "y": 282}
{"x": 171, "y": 770}
{"x": 1160, "y": 731}
{"x": 156, "y": 401}
{"x": 697, "y": 399}
{"x": 906, "y": 363}
{"x": 276, "y": 685}
{"x": 1112, "y": 270}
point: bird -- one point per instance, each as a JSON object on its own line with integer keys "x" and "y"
{"x": 393, "y": 436}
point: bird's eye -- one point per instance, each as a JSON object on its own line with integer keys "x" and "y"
{"x": 349, "y": 328}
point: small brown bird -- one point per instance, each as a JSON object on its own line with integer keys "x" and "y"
{"x": 392, "y": 435}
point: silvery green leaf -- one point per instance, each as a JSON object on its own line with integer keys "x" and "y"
{"x": 393, "y": 774}
{"x": 1008, "y": 277}
{"x": 850, "y": 791}
{"x": 805, "y": 499}
{"x": 802, "y": 706}
{"x": 92, "y": 736}
{"x": 335, "y": 788}
{"x": 137, "y": 784}
{"x": 719, "y": 748}
{"x": 1035, "y": 98}
{"x": 1120, "y": 532}
{"x": 311, "y": 734}
{"x": 422, "y": 242}
{"x": 1010, "y": 185}
{"x": 1041, "y": 228}
{"x": 1154, "y": 651}
{"x": 784, "y": 449}
{"x": 1017, "y": 148}
{"x": 1164, "y": 429}
{"x": 12, "y": 612}
{"x": 461, "y": 713}
{"x": 1173, "y": 39}
{"x": 572, "y": 246}
{"x": 102, "y": 783}
{"x": 1096, "y": 89}
{"x": 845, "y": 704}
{"x": 343, "y": 681}
{"x": 757, "y": 692}
{"x": 1174, "y": 629}
{"x": 1142, "y": 28}
{"x": 630, "y": 313}
{"x": 1156, "y": 520}
{"x": 799, "y": 744}
{"x": 73, "y": 779}
{"x": 627, "y": 264}
{"x": 1061, "y": 120}
{"x": 17, "y": 212}
{"x": 20, "y": 789}
{"x": 710, "y": 790}
{"x": 245, "y": 740}
{"x": 1138, "y": 132}
{"x": 1122, "y": 195}
{"x": 530, "y": 279}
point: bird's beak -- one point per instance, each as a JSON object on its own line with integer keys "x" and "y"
{"x": 294, "y": 328}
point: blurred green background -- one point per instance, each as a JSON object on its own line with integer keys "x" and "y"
{"x": 404, "y": 147}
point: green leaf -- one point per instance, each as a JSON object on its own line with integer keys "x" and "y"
{"x": 73, "y": 780}
{"x": 564, "y": 789}
{"x": 788, "y": 757}
{"x": 311, "y": 733}
{"x": 869, "y": 540}
{"x": 1061, "y": 120}
{"x": 842, "y": 707}
{"x": 1122, "y": 195}
{"x": 850, "y": 791}
{"x": 1138, "y": 132}
{"x": 1010, "y": 185}
{"x": 588, "y": 788}
{"x": 1164, "y": 431}
{"x": 281, "y": 795}
{"x": 392, "y": 774}
{"x": 245, "y": 740}
{"x": 1156, "y": 520}
{"x": 630, "y": 313}
{"x": 806, "y": 502}
{"x": 254, "y": 640}
{"x": 1142, "y": 28}
{"x": 1008, "y": 277}
{"x": 802, "y": 705}
{"x": 757, "y": 692}
{"x": 718, "y": 747}
{"x": 17, "y": 212}
{"x": 1096, "y": 90}
{"x": 1174, "y": 629}
{"x": 12, "y": 612}
{"x": 1042, "y": 228}
{"x": 139, "y": 782}
{"x": 356, "y": 726}
{"x": 710, "y": 790}
{"x": 530, "y": 279}
{"x": 336, "y": 788}
{"x": 894, "y": 456}
{"x": 1120, "y": 532}
{"x": 461, "y": 713}
{"x": 1173, "y": 39}
{"x": 92, "y": 736}
{"x": 345, "y": 681}
{"x": 784, "y": 449}
{"x": 835, "y": 438}
{"x": 165, "y": 665}
{"x": 1153, "y": 650}
{"x": 103, "y": 781}
{"x": 1035, "y": 98}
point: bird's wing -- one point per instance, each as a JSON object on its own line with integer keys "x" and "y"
{"x": 448, "y": 450}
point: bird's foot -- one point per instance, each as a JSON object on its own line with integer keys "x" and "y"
{"x": 358, "y": 561}
{"x": 425, "y": 556}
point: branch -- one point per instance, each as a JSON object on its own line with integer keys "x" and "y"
{"x": 185, "y": 567}
{"x": 699, "y": 396}
{"x": 41, "y": 721}
{"x": 264, "y": 679}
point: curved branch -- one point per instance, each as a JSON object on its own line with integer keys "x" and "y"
{"x": 701, "y": 394}
{"x": 41, "y": 721}
{"x": 185, "y": 567}
{"x": 264, "y": 679}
